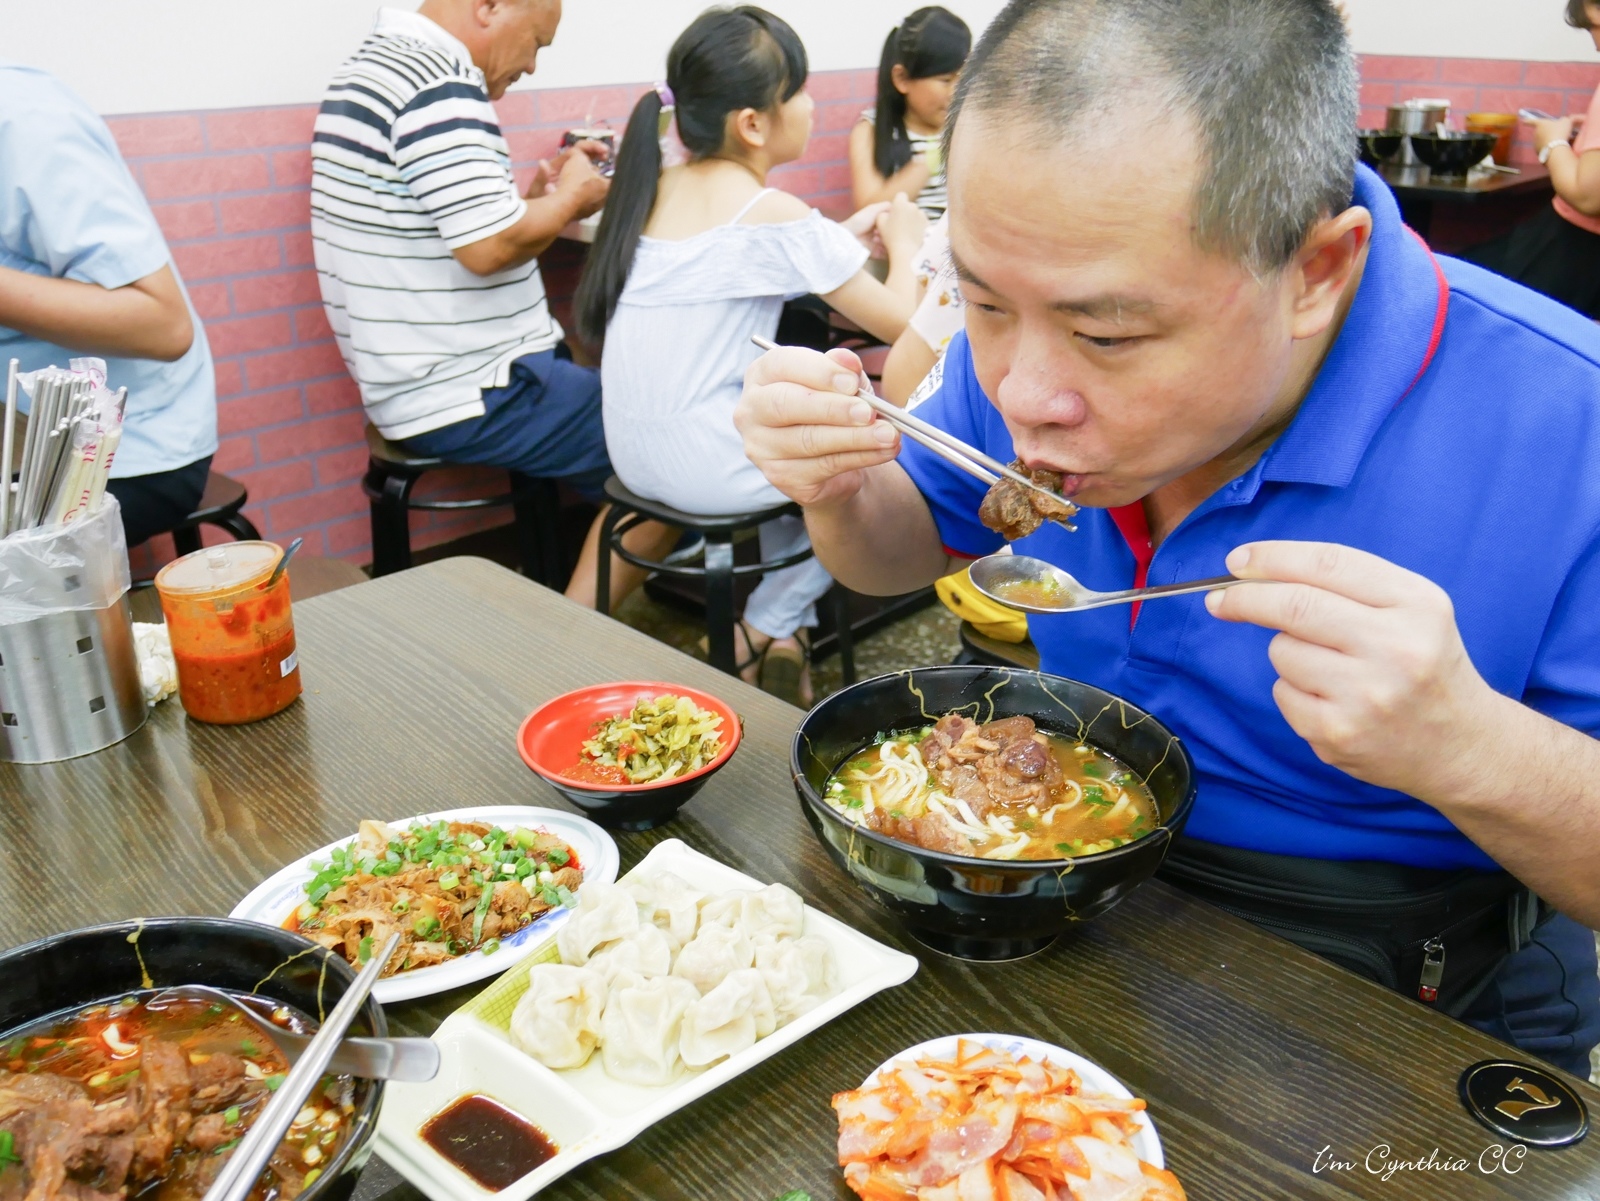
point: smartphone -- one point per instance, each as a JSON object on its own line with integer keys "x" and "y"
{"x": 1533, "y": 114}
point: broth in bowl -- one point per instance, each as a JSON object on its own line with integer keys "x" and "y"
{"x": 1001, "y": 790}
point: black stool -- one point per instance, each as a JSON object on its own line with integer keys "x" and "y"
{"x": 393, "y": 472}
{"x": 221, "y": 505}
{"x": 978, "y": 647}
{"x": 628, "y": 511}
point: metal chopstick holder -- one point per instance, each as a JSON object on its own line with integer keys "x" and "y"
{"x": 238, "y": 1176}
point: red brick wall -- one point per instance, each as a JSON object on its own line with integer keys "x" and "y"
{"x": 230, "y": 189}
{"x": 1477, "y": 85}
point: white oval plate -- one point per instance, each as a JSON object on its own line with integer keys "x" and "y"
{"x": 272, "y": 901}
{"x": 1146, "y": 1143}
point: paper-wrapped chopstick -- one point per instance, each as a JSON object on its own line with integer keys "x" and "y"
{"x": 74, "y": 426}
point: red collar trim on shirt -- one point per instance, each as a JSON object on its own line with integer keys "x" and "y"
{"x": 1135, "y": 527}
{"x": 1439, "y": 316}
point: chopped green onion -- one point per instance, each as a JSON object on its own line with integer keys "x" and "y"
{"x": 274, "y": 1082}
{"x": 230, "y": 1116}
{"x": 485, "y": 898}
{"x": 226, "y": 1147}
{"x": 249, "y": 1048}
{"x": 1093, "y": 770}
{"x": 309, "y": 1177}
{"x": 558, "y": 857}
{"x": 364, "y": 952}
{"x": 8, "y": 1149}
{"x": 490, "y": 947}
{"x": 400, "y": 906}
{"x": 449, "y": 880}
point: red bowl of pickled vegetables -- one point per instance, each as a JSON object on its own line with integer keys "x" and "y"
{"x": 551, "y": 740}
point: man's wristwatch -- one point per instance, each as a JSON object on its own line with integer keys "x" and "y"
{"x": 1544, "y": 155}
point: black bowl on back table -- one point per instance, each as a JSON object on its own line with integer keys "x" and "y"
{"x": 986, "y": 908}
{"x": 1452, "y": 155}
{"x": 1378, "y": 146}
{"x": 67, "y": 972}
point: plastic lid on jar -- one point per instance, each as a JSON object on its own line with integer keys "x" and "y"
{"x": 225, "y": 567}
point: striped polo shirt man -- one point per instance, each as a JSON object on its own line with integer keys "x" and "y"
{"x": 408, "y": 165}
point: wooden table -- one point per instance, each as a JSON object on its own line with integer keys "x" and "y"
{"x": 1254, "y": 1056}
{"x": 1455, "y": 213}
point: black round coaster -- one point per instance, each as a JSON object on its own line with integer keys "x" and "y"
{"x": 1524, "y": 1103}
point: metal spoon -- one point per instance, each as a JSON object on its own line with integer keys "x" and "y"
{"x": 283, "y": 565}
{"x": 1035, "y": 586}
{"x": 412, "y": 1060}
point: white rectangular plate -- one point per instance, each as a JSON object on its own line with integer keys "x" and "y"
{"x": 585, "y": 1112}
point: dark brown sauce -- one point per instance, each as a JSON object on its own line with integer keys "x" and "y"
{"x": 494, "y": 1145}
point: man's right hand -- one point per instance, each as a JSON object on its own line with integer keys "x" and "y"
{"x": 806, "y": 428}
{"x": 582, "y": 185}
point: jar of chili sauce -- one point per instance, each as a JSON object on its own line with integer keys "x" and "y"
{"x": 232, "y": 634}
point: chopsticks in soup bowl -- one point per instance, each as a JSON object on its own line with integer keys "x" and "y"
{"x": 947, "y": 446}
{"x": 238, "y": 1176}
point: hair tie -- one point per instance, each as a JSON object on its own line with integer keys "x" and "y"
{"x": 673, "y": 152}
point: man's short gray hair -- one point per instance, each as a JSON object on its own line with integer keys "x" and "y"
{"x": 1270, "y": 86}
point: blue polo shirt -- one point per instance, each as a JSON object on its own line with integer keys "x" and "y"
{"x": 69, "y": 209}
{"x": 1454, "y": 430}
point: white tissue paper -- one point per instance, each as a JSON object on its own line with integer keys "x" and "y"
{"x": 158, "y": 671}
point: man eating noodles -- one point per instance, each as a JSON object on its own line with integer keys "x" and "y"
{"x": 1198, "y": 310}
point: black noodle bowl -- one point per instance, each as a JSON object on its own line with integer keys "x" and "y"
{"x": 986, "y": 908}
{"x": 68, "y": 972}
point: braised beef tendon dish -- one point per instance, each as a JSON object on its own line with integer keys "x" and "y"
{"x": 1014, "y": 512}
{"x": 142, "y": 1099}
{"x": 1001, "y": 790}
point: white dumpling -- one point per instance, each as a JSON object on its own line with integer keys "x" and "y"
{"x": 723, "y": 909}
{"x": 645, "y": 953}
{"x": 668, "y": 901}
{"x": 712, "y": 954}
{"x": 800, "y": 973}
{"x": 604, "y": 914}
{"x": 776, "y": 911}
{"x": 728, "y": 1019}
{"x": 558, "y": 1019}
{"x": 641, "y": 1028}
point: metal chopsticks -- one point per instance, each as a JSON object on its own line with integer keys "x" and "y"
{"x": 238, "y": 1176}
{"x": 947, "y": 446}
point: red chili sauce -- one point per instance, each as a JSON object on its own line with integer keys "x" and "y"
{"x": 247, "y": 682}
{"x": 587, "y": 771}
{"x": 494, "y": 1145}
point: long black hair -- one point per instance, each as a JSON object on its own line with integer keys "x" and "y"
{"x": 728, "y": 60}
{"x": 931, "y": 41}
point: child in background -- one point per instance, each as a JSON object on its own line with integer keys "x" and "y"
{"x": 895, "y": 147}
{"x": 695, "y": 254}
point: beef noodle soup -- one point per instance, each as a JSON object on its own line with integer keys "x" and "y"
{"x": 1005, "y": 790}
{"x": 145, "y": 1099}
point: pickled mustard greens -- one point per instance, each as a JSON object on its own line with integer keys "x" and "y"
{"x": 658, "y": 739}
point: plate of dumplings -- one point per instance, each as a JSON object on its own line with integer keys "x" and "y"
{"x": 658, "y": 989}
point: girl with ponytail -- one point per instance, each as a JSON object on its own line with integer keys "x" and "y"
{"x": 695, "y": 254}
{"x": 895, "y": 147}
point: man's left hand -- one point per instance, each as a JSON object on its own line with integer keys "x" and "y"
{"x": 1372, "y": 670}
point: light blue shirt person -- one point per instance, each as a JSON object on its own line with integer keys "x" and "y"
{"x": 70, "y": 209}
